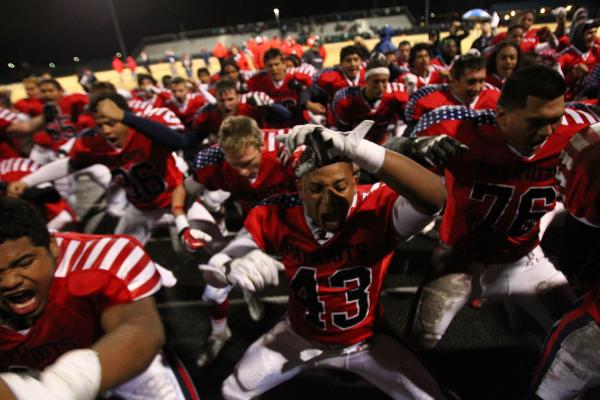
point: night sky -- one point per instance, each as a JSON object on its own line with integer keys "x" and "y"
{"x": 57, "y": 30}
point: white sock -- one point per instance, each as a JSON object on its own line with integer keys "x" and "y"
{"x": 219, "y": 326}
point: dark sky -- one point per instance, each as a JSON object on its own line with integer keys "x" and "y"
{"x": 57, "y": 30}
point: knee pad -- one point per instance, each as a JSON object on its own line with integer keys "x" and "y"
{"x": 437, "y": 306}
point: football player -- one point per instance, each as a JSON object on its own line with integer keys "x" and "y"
{"x": 335, "y": 240}
{"x": 78, "y": 317}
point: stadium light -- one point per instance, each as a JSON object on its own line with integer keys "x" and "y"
{"x": 115, "y": 20}
{"x": 52, "y": 65}
{"x": 542, "y": 10}
{"x": 512, "y": 13}
{"x": 76, "y": 59}
{"x": 276, "y": 12}
{"x": 118, "y": 54}
{"x": 11, "y": 65}
{"x": 506, "y": 17}
{"x": 569, "y": 7}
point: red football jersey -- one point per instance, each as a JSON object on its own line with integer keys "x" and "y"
{"x": 495, "y": 80}
{"x": 92, "y": 274}
{"x": 351, "y": 108}
{"x": 569, "y": 58}
{"x": 579, "y": 176}
{"x": 188, "y": 108}
{"x": 281, "y": 92}
{"x": 213, "y": 172}
{"x": 30, "y": 106}
{"x": 14, "y": 169}
{"x": 330, "y": 80}
{"x": 496, "y": 196}
{"x": 146, "y": 169}
{"x": 209, "y": 118}
{"x": 433, "y": 77}
{"x": 156, "y": 100}
{"x": 430, "y": 97}
{"x": 335, "y": 286}
{"x": 58, "y": 132}
{"x": 7, "y": 148}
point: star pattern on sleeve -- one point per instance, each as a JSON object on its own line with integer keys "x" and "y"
{"x": 418, "y": 95}
{"x": 211, "y": 156}
{"x": 461, "y": 113}
{"x": 285, "y": 200}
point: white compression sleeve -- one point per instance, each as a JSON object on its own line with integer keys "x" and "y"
{"x": 49, "y": 172}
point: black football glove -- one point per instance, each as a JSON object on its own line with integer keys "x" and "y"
{"x": 51, "y": 112}
{"x": 295, "y": 84}
{"x": 430, "y": 151}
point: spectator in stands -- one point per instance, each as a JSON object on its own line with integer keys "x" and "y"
{"x": 433, "y": 38}
{"x": 403, "y": 54}
{"x": 118, "y": 66}
{"x": 314, "y": 55}
{"x": 502, "y": 62}
{"x": 385, "y": 44}
{"x": 186, "y": 63}
{"x": 449, "y": 51}
{"x": 145, "y": 62}
{"x": 458, "y": 32}
{"x": 485, "y": 40}
{"x": 171, "y": 59}
{"x": 221, "y": 52}
{"x": 239, "y": 57}
{"x": 203, "y": 75}
{"x": 86, "y": 79}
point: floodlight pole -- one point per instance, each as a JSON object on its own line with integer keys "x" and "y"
{"x": 427, "y": 13}
{"x": 115, "y": 21}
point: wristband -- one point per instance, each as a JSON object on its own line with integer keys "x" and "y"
{"x": 181, "y": 223}
{"x": 369, "y": 156}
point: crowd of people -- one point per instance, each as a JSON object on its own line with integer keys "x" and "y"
{"x": 319, "y": 173}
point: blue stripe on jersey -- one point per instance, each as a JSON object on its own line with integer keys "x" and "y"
{"x": 87, "y": 132}
{"x": 593, "y": 78}
{"x": 210, "y": 156}
{"x": 449, "y": 113}
{"x": 285, "y": 200}
{"x": 419, "y": 94}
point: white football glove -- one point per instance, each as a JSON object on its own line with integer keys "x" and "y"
{"x": 75, "y": 375}
{"x": 253, "y": 271}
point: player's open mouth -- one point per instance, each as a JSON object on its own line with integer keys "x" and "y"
{"x": 330, "y": 221}
{"x": 22, "y": 302}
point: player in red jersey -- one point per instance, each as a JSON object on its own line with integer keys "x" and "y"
{"x": 422, "y": 72}
{"x": 467, "y": 87}
{"x": 335, "y": 240}
{"x": 522, "y": 32}
{"x": 246, "y": 163}
{"x": 504, "y": 59}
{"x": 61, "y": 122}
{"x": 579, "y": 59}
{"x": 143, "y": 165}
{"x": 32, "y": 104}
{"x": 148, "y": 91}
{"x": 184, "y": 103}
{"x": 379, "y": 100}
{"x": 78, "y": 319}
{"x": 288, "y": 89}
{"x": 497, "y": 192}
{"x": 58, "y": 214}
{"x": 569, "y": 366}
{"x": 348, "y": 73}
{"x": 257, "y": 105}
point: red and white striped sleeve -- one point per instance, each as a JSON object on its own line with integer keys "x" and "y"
{"x": 127, "y": 272}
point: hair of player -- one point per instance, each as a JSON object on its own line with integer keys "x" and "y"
{"x": 225, "y": 85}
{"x": 519, "y": 15}
{"x": 102, "y": 86}
{"x": 466, "y": 62}
{"x": 491, "y": 58}
{"x": 142, "y": 77}
{"x": 272, "y": 54}
{"x": 294, "y": 59}
{"x": 32, "y": 80}
{"x": 21, "y": 219}
{"x": 202, "y": 71}
{"x": 417, "y": 48}
{"x": 349, "y": 51}
{"x": 178, "y": 81}
{"x": 238, "y": 132}
{"x": 404, "y": 43}
{"x": 230, "y": 62}
{"x": 114, "y": 96}
{"x": 52, "y": 82}
{"x": 512, "y": 28}
{"x": 535, "y": 80}
{"x": 377, "y": 62}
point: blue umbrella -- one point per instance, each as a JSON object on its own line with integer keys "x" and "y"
{"x": 476, "y": 14}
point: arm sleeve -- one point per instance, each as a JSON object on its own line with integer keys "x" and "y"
{"x": 49, "y": 172}
{"x": 280, "y": 113}
{"x": 408, "y": 221}
{"x": 158, "y": 132}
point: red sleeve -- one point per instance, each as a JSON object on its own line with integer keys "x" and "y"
{"x": 256, "y": 223}
{"x": 305, "y": 79}
{"x": 582, "y": 193}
